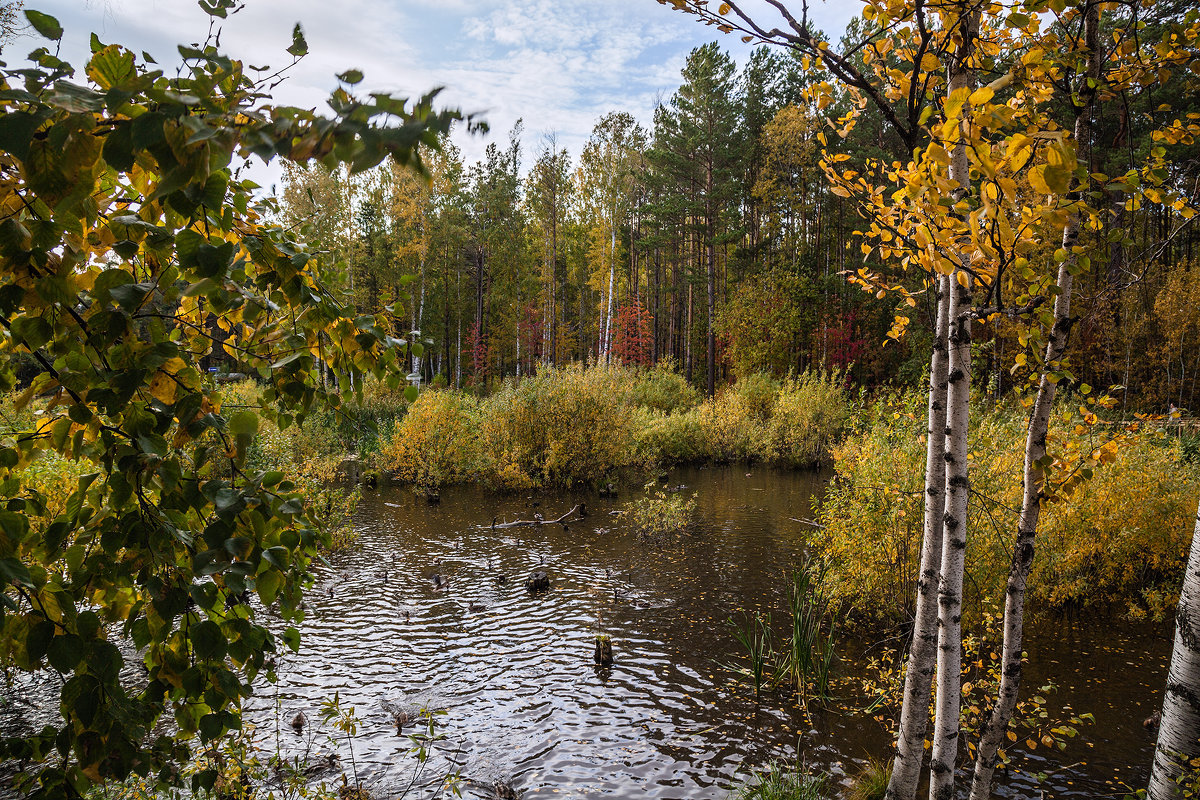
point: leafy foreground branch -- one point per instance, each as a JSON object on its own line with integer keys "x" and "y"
{"x": 129, "y": 252}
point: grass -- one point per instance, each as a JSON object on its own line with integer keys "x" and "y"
{"x": 870, "y": 782}
{"x": 780, "y": 781}
{"x": 755, "y": 637}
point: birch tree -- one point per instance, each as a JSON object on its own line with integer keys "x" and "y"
{"x": 607, "y": 171}
{"x": 1179, "y": 726}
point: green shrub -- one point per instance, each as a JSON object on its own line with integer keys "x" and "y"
{"x": 662, "y": 389}
{"x": 758, "y": 393}
{"x": 676, "y": 438}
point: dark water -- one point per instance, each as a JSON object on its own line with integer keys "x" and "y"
{"x": 524, "y": 702}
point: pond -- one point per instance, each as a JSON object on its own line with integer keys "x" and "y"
{"x": 524, "y": 702}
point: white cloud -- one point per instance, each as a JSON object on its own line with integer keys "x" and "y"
{"x": 559, "y": 64}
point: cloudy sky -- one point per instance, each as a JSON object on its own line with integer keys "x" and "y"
{"x": 558, "y": 64}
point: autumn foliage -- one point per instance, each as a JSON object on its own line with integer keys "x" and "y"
{"x": 1117, "y": 540}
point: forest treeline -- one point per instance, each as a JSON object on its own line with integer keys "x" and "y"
{"x": 713, "y": 238}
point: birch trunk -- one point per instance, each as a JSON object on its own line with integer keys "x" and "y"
{"x": 948, "y": 698}
{"x": 418, "y": 316}
{"x": 918, "y": 679}
{"x": 1033, "y": 495}
{"x": 946, "y": 725}
{"x": 1179, "y": 728}
{"x": 612, "y": 271}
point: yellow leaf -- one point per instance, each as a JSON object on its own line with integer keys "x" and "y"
{"x": 1037, "y": 180}
{"x": 981, "y": 96}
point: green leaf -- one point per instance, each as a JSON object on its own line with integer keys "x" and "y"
{"x": 299, "y": 46}
{"x": 112, "y": 67}
{"x": 244, "y": 423}
{"x": 16, "y": 132}
{"x": 13, "y": 571}
{"x": 268, "y": 585}
{"x": 208, "y": 642}
{"x": 210, "y": 727}
{"x": 351, "y": 76}
{"x": 65, "y": 652}
{"x": 44, "y": 24}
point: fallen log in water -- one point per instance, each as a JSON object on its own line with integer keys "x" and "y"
{"x": 580, "y": 510}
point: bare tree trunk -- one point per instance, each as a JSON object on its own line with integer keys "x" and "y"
{"x": 918, "y": 678}
{"x": 418, "y": 315}
{"x": 1035, "y": 449}
{"x": 1179, "y": 727}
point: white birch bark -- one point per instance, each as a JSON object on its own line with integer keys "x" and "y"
{"x": 419, "y": 315}
{"x": 948, "y": 698}
{"x": 918, "y": 678}
{"x": 1179, "y": 727}
{"x": 612, "y": 270}
{"x": 1033, "y": 495}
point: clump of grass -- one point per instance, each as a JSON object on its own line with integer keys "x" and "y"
{"x": 781, "y": 781}
{"x": 805, "y": 656}
{"x": 870, "y": 782}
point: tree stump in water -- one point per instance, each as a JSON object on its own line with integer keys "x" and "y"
{"x": 538, "y": 581}
{"x": 603, "y": 654}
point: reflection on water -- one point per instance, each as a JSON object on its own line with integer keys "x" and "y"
{"x": 524, "y": 701}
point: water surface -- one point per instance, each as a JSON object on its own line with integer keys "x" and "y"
{"x": 523, "y": 701}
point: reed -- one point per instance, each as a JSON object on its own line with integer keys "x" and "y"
{"x": 807, "y": 658}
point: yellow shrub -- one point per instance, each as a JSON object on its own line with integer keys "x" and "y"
{"x": 659, "y": 514}
{"x": 560, "y": 427}
{"x": 808, "y": 416}
{"x": 437, "y": 442}
{"x": 1118, "y": 539}
{"x": 730, "y": 432}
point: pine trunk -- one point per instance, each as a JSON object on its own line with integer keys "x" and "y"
{"x": 918, "y": 679}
